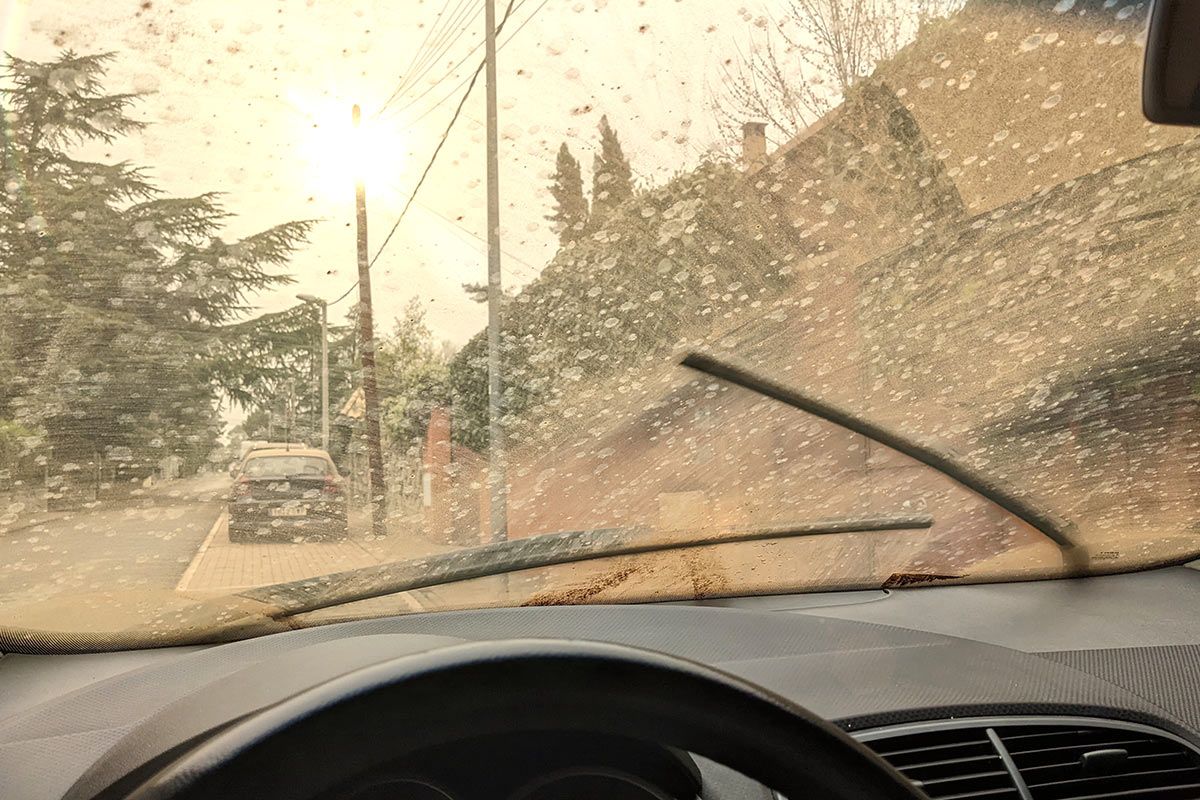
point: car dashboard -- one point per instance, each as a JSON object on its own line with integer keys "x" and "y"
{"x": 1051, "y": 689}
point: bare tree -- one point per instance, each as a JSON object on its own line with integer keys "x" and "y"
{"x": 807, "y": 59}
{"x": 760, "y": 84}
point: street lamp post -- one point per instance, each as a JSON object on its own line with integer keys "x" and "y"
{"x": 324, "y": 306}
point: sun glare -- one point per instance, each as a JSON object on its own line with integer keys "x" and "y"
{"x": 336, "y": 153}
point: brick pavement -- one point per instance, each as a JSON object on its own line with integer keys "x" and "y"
{"x": 220, "y": 565}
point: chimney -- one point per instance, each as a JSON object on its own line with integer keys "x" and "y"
{"x": 754, "y": 146}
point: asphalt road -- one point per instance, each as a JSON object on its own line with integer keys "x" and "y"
{"x": 146, "y": 542}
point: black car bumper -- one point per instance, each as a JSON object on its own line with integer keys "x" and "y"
{"x": 286, "y": 519}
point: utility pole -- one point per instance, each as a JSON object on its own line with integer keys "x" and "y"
{"x": 497, "y": 470}
{"x": 287, "y": 416}
{"x": 313, "y": 300}
{"x": 366, "y": 333}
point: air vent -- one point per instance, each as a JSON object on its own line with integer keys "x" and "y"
{"x": 949, "y": 763}
{"x": 1090, "y": 763}
{"x": 1054, "y": 758}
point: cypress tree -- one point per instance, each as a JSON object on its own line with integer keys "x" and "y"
{"x": 612, "y": 177}
{"x": 570, "y": 206}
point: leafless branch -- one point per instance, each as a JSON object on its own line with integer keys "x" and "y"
{"x": 805, "y": 62}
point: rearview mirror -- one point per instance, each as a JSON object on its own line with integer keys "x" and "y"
{"x": 1171, "y": 76}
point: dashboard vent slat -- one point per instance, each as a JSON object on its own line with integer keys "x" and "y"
{"x": 1053, "y": 761}
{"x": 956, "y": 764}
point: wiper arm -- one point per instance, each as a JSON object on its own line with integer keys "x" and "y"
{"x": 1058, "y": 530}
{"x": 312, "y": 594}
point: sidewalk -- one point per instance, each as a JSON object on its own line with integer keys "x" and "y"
{"x": 221, "y": 566}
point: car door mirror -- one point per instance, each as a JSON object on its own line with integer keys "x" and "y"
{"x": 1171, "y": 74}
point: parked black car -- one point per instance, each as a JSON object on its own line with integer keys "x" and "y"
{"x": 282, "y": 494}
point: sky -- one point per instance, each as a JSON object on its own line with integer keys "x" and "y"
{"x": 252, "y": 98}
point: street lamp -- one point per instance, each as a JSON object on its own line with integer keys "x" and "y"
{"x": 314, "y": 300}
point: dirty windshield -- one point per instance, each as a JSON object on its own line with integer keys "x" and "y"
{"x": 334, "y": 230}
{"x": 285, "y": 466}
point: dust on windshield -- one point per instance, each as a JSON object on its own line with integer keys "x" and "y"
{"x": 231, "y": 226}
{"x": 285, "y": 465}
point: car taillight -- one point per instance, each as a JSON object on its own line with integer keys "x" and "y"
{"x": 332, "y": 485}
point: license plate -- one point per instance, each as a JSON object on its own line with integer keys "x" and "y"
{"x": 288, "y": 511}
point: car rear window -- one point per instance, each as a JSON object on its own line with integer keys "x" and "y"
{"x": 287, "y": 466}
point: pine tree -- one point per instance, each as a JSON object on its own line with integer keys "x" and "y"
{"x": 612, "y": 177}
{"x": 116, "y": 294}
{"x": 262, "y": 360}
{"x": 570, "y": 206}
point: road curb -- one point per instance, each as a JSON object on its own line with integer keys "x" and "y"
{"x": 190, "y": 572}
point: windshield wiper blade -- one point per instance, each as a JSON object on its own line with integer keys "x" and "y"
{"x": 339, "y": 588}
{"x": 1046, "y": 522}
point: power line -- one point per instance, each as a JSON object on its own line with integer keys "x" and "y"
{"x": 401, "y": 109}
{"x": 449, "y": 28}
{"x": 449, "y": 73}
{"x": 452, "y": 33}
{"x": 446, "y": 134}
{"x": 346, "y": 294}
{"x": 413, "y": 61}
{"x": 532, "y": 271}
{"x": 446, "y": 21}
{"x": 428, "y": 167}
{"x": 441, "y": 143}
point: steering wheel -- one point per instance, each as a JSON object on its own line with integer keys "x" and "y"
{"x": 324, "y": 736}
